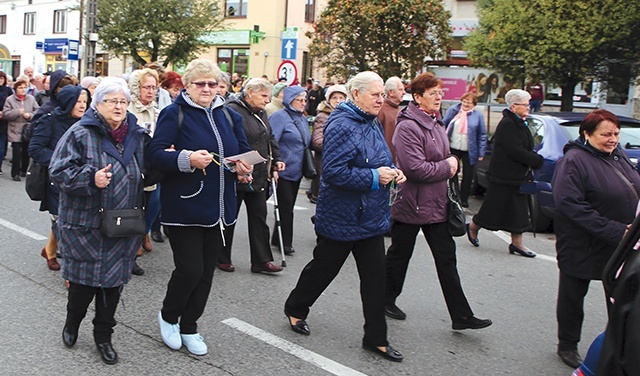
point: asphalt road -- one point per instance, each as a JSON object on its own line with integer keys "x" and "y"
{"x": 244, "y": 325}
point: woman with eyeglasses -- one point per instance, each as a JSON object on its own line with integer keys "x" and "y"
{"x": 143, "y": 85}
{"x": 513, "y": 159}
{"x": 468, "y": 139}
{"x": 422, "y": 151}
{"x": 352, "y": 215}
{"x": 291, "y": 129}
{"x": 193, "y": 136}
{"x": 97, "y": 163}
{"x": 19, "y": 109}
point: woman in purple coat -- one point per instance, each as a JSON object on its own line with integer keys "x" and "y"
{"x": 422, "y": 152}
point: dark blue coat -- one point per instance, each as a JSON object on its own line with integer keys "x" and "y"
{"x": 47, "y": 131}
{"x": 52, "y": 103}
{"x": 351, "y": 205}
{"x": 193, "y": 198}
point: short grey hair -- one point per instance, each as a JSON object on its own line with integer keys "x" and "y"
{"x": 224, "y": 78}
{"x": 258, "y": 85}
{"x": 391, "y": 84}
{"x": 200, "y": 68}
{"x": 362, "y": 81}
{"x": 516, "y": 95}
{"x": 110, "y": 85}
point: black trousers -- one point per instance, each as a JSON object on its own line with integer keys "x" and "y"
{"x": 256, "y": 205}
{"x": 20, "y": 158}
{"x": 195, "y": 251}
{"x": 78, "y": 300}
{"x": 328, "y": 258}
{"x": 570, "y": 310}
{"x": 287, "y": 194}
{"x": 467, "y": 174}
{"x": 443, "y": 249}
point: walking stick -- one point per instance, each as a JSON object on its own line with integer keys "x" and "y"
{"x": 276, "y": 211}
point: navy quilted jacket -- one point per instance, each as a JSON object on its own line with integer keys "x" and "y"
{"x": 351, "y": 205}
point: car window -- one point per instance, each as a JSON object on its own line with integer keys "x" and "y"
{"x": 536, "y": 127}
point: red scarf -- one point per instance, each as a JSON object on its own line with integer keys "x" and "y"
{"x": 21, "y": 98}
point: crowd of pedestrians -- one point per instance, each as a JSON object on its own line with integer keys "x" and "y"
{"x": 383, "y": 169}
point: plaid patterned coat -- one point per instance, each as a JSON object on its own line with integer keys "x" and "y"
{"x": 89, "y": 258}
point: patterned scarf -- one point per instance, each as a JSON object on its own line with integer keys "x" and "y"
{"x": 117, "y": 135}
{"x": 462, "y": 119}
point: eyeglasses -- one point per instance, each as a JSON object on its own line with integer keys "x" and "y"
{"x": 301, "y": 100}
{"x": 148, "y": 87}
{"x": 434, "y": 94}
{"x": 114, "y": 102}
{"x": 201, "y": 85}
{"x": 527, "y": 105}
{"x": 467, "y": 102}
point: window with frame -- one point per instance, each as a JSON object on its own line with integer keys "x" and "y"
{"x": 60, "y": 21}
{"x": 3, "y": 24}
{"x": 30, "y": 23}
{"x": 309, "y": 10}
{"x": 235, "y": 8}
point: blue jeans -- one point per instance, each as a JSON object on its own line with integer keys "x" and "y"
{"x": 153, "y": 207}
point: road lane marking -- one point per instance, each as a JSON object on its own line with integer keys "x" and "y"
{"x": 293, "y": 349}
{"x": 507, "y": 239}
{"x": 22, "y": 230}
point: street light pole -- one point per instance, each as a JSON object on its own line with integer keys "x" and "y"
{"x": 90, "y": 69}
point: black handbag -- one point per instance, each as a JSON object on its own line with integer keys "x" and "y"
{"x": 36, "y": 184}
{"x": 308, "y": 164}
{"x": 456, "y": 220}
{"x": 121, "y": 223}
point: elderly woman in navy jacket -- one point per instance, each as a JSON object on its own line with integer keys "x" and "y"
{"x": 46, "y": 134}
{"x": 198, "y": 195}
{"x": 95, "y": 265}
{"x": 291, "y": 129}
{"x": 596, "y": 189}
{"x": 352, "y": 215}
{"x": 468, "y": 139}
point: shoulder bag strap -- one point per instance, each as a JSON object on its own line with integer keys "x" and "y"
{"x": 144, "y": 204}
{"x": 295, "y": 123}
{"x": 627, "y": 182}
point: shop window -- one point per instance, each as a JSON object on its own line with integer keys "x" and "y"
{"x": 3, "y": 24}
{"x": 29, "y": 23}
{"x": 310, "y": 10}
{"x": 236, "y": 8}
{"x": 59, "y": 21}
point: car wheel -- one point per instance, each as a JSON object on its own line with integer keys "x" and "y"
{"x": 541, "y": 223}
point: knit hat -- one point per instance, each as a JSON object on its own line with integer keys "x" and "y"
{"x": 336, "y": 88}
{"x": 88, "y": 81}
{"x": 277, "y": 88}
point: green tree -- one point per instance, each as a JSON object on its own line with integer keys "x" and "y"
{"x": 390, "y": 37}
{"x": 562, "y": 41}
{"x": 171, "y": 30}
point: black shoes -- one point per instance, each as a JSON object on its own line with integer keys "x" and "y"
{"x": 389, "y": 354}
{"x": 69, "y": 336}
{"x": 464, "y": 203}
{"x": 299, "y": 327}
{"x": 570, "y": 358}
{"x": 109, "y": 355}
{"x": 226, "y": 267}
{"x": 16, "y": 178}
{"x": 266, "y": 267}
{"x": 392, "y": 310}
{"x": 474, "y": 241}
{"x": 288, "y": 250}
{"x": 137, "y": 270}
{"x": 513, "y": 250}
{"x": 470, "y": 322}
{"x": 156, "y": 236}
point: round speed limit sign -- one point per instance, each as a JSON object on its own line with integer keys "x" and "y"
{"x": 288, "y": 71}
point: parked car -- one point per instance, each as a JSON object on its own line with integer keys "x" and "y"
{"x": 551, "y": 131}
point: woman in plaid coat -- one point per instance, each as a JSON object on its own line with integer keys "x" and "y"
{"x": 93, "y": 264}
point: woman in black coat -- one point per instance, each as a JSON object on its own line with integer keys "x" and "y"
{"x": 596, "y": 189}
{"x": 47, "y": 131}
{"x": 513, "y": 159}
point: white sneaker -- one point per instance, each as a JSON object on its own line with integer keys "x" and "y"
{"x": 170, "y": 333}
{"x": 195, "y": 343}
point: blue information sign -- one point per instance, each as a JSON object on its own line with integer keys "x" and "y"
{"x": 289, "y": 48}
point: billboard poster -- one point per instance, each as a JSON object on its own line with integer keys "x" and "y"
{"x": 489, "y": 86}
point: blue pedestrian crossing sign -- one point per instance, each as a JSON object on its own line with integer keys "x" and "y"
{"x": 289, "y": 48}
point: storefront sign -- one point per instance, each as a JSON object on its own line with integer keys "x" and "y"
{"x": 236, "y": 37}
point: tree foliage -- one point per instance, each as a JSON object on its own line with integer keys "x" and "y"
{"x": 391, "y": 37}
{"x": 149, "y": 30}
{"x": 562, "y": 41}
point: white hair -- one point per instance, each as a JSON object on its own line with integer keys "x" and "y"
{"x": 362, "y": 81}
{"x": 391, "y": 84}
{"x": 516, "y": 95}
{"x": 110, "y": 85}
{"x": 258, "y": 85}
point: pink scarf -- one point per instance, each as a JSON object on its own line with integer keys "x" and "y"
{"x": 462, "y": 119}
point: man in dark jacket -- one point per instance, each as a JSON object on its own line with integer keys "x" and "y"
{"x": 250, "y": 105}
